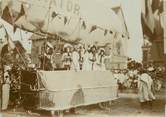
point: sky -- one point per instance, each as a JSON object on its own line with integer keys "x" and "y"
{"x": 132, "y": 13}
{"x": 96, "y": 12}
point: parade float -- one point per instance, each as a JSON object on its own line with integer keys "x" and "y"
{"x": 68, "y": 21}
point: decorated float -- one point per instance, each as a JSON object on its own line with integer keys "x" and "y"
{"x": 69, "y": 21}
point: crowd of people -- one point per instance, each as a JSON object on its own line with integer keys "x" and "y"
{"x": 144, "y": 81}
{"x": 77, "y": 58}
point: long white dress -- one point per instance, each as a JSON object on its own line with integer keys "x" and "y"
{"x": 145, "y": 88}
{"x": 5, "y": 92}
{"x": 100, "y": 65}
{"x": 75, "y": 61}
{"x": 86, "y": 62}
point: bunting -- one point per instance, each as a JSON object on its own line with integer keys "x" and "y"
{"x": 65, "y": 20}
{"x": 93, "y": 28}
{"x": 22, "y": 12}
{"x": 111, "y": 32}
{"x": 6, "y": 15}
{"x": 54, "y": 14}
{"x": 83, "y": 25}
{"x": 105, "y": 32}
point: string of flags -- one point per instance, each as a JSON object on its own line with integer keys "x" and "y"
{"x": 84, "y": 26}
{"x": 6, "y": 15}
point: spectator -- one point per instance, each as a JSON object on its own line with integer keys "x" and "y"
{"x": 145, "y": 89}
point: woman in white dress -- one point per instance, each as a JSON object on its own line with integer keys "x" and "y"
{"x": 75, "y": 60}
{"x": 67, "y": 57}
{"x": 93, "y": 58}
{"x": 101, "y": 60}
{"x": 86, "y": 66}
{"x": 145, "y": 93}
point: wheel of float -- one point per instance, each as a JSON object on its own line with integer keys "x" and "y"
{"x": 105, "y": 105}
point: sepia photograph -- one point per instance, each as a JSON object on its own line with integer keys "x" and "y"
{"x": 82, "y": 58}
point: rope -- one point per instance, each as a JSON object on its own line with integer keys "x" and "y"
{"x": 50, "y": 7}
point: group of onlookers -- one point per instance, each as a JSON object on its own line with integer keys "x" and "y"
{"x": 144, "y": 81}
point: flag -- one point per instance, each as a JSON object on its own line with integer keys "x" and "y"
{"x": 65, "y": 20}
{"x": 93, "y": 28}
{"x": 83, "y": 25}
{"x": 22, "y": 12}
{"x": 146, "y": 7}
{"x": 105, "y": 32}
{"x": 54, "y": 14}
{"x": 119, "y": 12}
{"x": 6, "y": 15}
{"x": 155, "y": 5}
{"x": 148, "y": 17}
{"x": 10, "y": 43}
{"x": 145, "y": 28}
{"x": 111, "y": 32}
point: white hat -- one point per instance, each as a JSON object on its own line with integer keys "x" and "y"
{"x": 67, "y": 45}
{"x": 150, "y": 69}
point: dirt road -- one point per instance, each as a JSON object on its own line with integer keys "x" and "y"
{"x": 126, "y": 105}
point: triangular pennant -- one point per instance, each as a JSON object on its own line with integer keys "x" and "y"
{"x": 65, "y": 20}
{"x": 22, "y": 12}
{"x": 83, "y": 25}
{"x": 105, "y": 32}
{"x": 54, "y": 14}
{"x": 111, "y": 32}
{"x": 93, "y": 28}
{"x": 6, "y": 15}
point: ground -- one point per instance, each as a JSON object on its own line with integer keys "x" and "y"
{"x": 126, "y": 105}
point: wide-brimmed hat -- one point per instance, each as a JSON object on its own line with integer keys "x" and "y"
{"x": 67, "y": 45}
